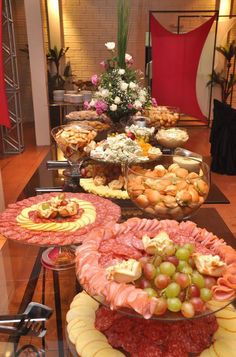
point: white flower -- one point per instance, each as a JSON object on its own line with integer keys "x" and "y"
{"x": 121, "y": 71}
{"x": 142, "y": 92}
{"x": 132, "y": 85}
{"x": 142, "y": 98}
{"x": 128, "y": 57}
{"x": 110, "y": 45}
{"x": 117, "y": 100}
{"x": 137, "y": 104}
{"x": 93, "y": 102}
{"x": 123, "y": 86}
{"x": 104, "y": 93}
{"x": 113, "y": 107}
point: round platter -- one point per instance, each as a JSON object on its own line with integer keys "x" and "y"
{"x": 95, "y": 332}
{"x": 104, "y": 191}
{"x": 121, "y": 242}
{"x": 17, "y": 222}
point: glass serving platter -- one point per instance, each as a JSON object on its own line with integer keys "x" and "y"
{"x": 60, "y": 234}
{"x": 170, "y": 316}
{"x": 171, "y": 187}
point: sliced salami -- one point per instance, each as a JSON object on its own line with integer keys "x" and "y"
{"x": 21, "y": 229}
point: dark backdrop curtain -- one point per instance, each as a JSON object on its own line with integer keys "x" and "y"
{"x": 175, "y": 59}
{"x": 223, "y": 139}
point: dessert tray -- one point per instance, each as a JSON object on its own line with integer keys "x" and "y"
{"x": 96, "y": 331}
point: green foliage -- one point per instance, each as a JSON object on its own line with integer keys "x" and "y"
{"x": 123, "y": 10}
{"x": 54, "y": 55}
{"x": 57, "y": 80}
{"x": 224, "y": 79}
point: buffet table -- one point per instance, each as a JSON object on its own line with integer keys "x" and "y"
{"x": 24, "y": 279}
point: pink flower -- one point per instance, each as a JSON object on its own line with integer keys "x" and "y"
{"x": 130, "y": 106}
{"x": 128, "y": 60}
{"x": 94, "y": 79}
{"x": 86, "y": 105}
{"x": 154, "y": 102}
{"x": 101, "y": 107}
{"x": 103, "y": 64}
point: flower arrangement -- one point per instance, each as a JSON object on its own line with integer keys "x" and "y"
{"x": 119, "y": 91}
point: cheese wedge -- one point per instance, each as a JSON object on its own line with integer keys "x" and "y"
{"x": 88, "y": 216}
{"x": 109, "y": 352}
{"x": 227, "y": 324}
{"x": 207, "y": 353}
{"x": 224, "y": 348}
{"x": 75, "y": 312}
{"x": 93, "y": 347}
{"x": 88, "y": 336}
{"x": 76, "y": 322}
{"x": 222, "y": 333}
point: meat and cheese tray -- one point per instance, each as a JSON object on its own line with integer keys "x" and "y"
{"x": 52, "y": 219}
{"x": 157, "y": 268}
{"x": 96, "y": 331}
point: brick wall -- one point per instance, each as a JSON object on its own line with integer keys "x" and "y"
{"x": 88, "y": 24}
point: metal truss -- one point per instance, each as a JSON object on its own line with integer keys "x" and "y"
{"x": 12, "y": 138}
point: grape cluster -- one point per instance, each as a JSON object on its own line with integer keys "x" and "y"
{"x": 173, "y": 280}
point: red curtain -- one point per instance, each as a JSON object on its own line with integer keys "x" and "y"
{"x": 4, "y": 115}
{"x": 175, "y": 59}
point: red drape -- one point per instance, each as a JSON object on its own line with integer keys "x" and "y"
{"x": 4, "y": 115}
{"x": 175, "y": 59}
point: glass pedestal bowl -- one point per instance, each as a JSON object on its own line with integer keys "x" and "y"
{"x": 72, "y": 140}
{"x": 172, "y": 138}
{"x": 166, "y": 189}
{"x": 162, "y": 116}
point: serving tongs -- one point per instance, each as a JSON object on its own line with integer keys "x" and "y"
{"x": 54, "y": 164}
{"x": 30, "y": 322}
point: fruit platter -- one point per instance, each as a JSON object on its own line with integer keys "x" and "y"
{"x": 175, "y": 278}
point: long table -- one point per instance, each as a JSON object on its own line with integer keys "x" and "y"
{"x": 24, "y": 279}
